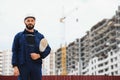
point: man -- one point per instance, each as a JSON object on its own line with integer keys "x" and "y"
{"x": 29, "y": 48}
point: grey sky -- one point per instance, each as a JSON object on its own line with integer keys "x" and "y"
{"x": 48, "y": 13}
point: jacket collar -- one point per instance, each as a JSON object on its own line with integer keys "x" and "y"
{"x": 35, "y": 31}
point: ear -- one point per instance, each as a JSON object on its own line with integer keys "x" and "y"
{"x": 24, "y": 21}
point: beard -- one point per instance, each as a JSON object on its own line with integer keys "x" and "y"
{"x": 29, "y": 26}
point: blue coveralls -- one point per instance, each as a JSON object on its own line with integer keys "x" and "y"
{"x": 29, "y": 69}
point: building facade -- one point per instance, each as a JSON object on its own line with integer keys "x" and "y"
{"x": 71, "y": 61}
{"x": 5, "y": 63}
{"x": 48, "y": 65}
{"x": 52, "y": 63}
{"x": 73, "y": 58}
{"x": 103, "y": 53}
{"x": 58, "y": 63}
{"x": 96, "y": 53}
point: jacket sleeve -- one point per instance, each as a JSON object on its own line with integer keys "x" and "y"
{"x": 15, "y": 48}
{"x": 44, "y": 48}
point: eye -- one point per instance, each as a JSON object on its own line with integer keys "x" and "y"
{"x": 28, "y": 20}
{"x": 32, "y": 20}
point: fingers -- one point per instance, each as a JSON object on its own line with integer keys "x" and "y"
{"x": 16, "y": 71}
{"x": 35, "y": 56}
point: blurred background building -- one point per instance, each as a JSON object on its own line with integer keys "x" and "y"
{"x": 5, "y": 63}
{"x": 96, "y": 53}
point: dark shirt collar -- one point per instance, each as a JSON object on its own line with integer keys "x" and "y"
{"x": 35, "y": 31}
{"x": 27, "y": 32}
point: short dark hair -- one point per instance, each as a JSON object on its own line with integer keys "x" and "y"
{"x": 29, "y": 17}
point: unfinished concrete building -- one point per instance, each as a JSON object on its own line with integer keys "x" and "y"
{"x": 101, "y": 39}
{"x": 85, "y": 53}
{"x": 73, "y": 58}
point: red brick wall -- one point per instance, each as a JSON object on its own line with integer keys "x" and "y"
{"x": 68, "y": 78}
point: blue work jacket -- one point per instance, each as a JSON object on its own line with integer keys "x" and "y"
{"x": 19, "y": 48}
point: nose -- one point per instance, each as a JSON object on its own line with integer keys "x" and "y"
{"x": 30, "y": 22}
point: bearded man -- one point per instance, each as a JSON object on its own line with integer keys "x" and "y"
{"x": 28, "y": 49}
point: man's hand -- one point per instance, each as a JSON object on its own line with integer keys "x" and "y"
{"x": 16, "y": 71}
{"x": 35, "y": 56}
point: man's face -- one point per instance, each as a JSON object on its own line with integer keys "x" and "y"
{"x": 29, "y": 22}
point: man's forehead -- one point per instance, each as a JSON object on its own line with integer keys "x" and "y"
{"x": 29, "y": 17}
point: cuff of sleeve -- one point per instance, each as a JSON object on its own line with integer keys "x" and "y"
{"x": 14, "y": 66}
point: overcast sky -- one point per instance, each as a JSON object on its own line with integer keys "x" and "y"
{"x": 48, "y": 13}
